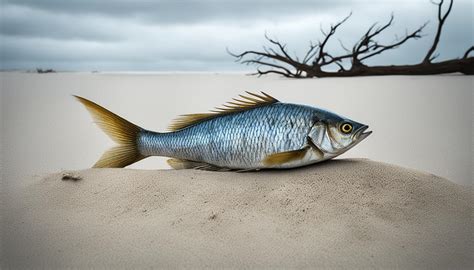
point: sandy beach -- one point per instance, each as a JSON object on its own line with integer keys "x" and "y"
{"x": 347, "y": 213}
{"x": 350, "y": 214}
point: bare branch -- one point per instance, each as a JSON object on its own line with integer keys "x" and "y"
{"x": 259, "y": 62}
{"x": 434, "y": 56}
{"x": 281, "y": 47}
{"x": 342, "y": 46}
{"x": 341, "y": 67}
{"x": 322, "y": 30}
{"x": 320, "y": 59}
{"x": 366, "y": 42}
{"x": 267, "y": 55}
{"x": 381, "y": 48}
{"x": 441, "y": 20}
{"x": 310, "y": 53}
{"x": 466, "y": 54}
{"x": 260, "y": 73}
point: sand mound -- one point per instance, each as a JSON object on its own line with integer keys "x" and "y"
{"x": 345, "y": 213}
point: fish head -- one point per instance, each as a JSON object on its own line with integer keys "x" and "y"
{"x": 334, "y": 135}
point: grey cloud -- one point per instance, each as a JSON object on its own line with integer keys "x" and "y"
{"x": 126, "y": 35}
{"x": 182, "y": 11}
{"x": 20, "y": 21}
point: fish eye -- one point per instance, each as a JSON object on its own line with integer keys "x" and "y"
{"x": 346, "y": 128}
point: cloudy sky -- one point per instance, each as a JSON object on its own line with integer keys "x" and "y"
{"x": 138, "y": 35}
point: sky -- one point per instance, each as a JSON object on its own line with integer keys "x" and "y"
{"x": 138, "y": 35}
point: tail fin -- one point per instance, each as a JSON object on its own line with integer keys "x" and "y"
{"x": 118, "y": 129}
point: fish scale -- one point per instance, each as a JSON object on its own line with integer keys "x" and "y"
{"x": 227, "y": 144}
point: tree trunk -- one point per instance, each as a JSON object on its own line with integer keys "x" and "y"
{"x": 464, "y": 66}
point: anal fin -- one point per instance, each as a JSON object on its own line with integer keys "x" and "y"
{"x": 285, "y": 157}
{"x": 182, "y": 164}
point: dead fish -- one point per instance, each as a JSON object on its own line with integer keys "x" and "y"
{"x": 255, "y": 131}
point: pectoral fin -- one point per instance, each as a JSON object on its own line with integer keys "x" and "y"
{"x": 285, "y": 157}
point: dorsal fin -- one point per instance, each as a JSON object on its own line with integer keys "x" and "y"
{"x": 245, "y": 103}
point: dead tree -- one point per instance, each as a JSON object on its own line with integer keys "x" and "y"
{"x": 317, "y": 59}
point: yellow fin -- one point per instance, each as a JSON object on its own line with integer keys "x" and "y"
{"x": 118, "y": 129}
{"x": 181, "y": 164}
{"x": 251, "y": 101}
{"x": 119, "y": 157}
{"x": 285, "y": 157}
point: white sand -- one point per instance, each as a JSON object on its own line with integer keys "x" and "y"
{"x": 356, "y": 214}
{"x": 353, "y": 214}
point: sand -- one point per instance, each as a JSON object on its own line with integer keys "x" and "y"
{"x": 419, "y": 122}
{"x": 351, "y": 213}
{"x": 346, "y": 213}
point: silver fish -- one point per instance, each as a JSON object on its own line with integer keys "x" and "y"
{"x": 253, "y": 132}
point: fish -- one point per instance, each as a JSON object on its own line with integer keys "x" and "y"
{"x": 249, "y": 133}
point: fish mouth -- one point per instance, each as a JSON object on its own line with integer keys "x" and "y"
{"x": 359, "y": 135}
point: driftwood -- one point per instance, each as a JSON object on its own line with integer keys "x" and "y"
{"x": 316, "y": 61}
{"x": 41, "y": 71}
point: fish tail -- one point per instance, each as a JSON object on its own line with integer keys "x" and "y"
{"x": 119, "y": 130}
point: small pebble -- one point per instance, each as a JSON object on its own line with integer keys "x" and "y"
{"x": 70, "y": 176}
